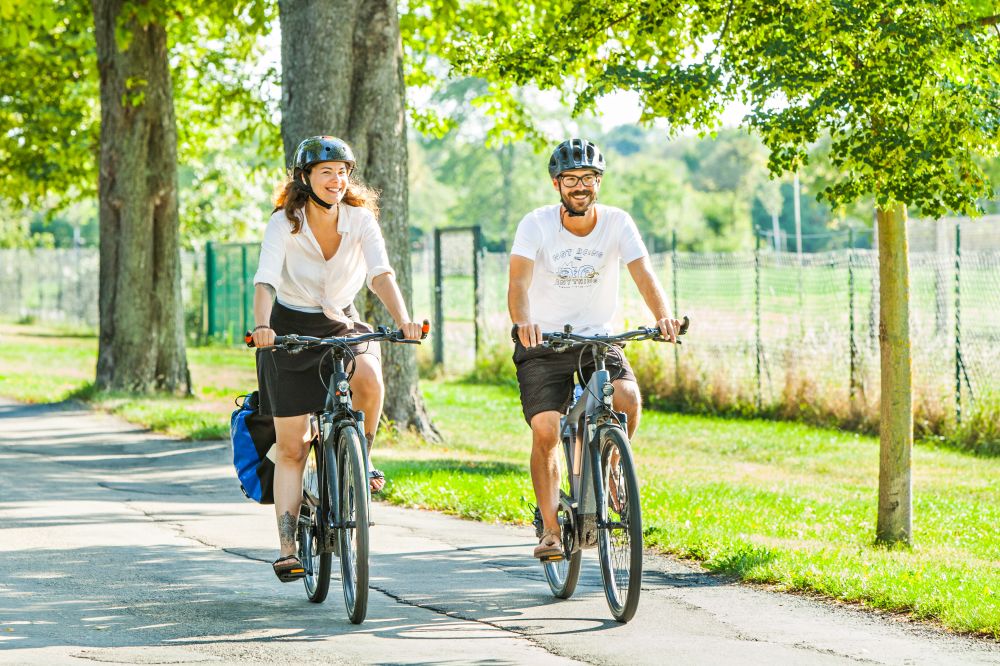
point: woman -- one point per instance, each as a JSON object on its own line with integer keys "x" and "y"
{"x": 322, "y": 244}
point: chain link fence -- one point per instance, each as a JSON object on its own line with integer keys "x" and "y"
{"x": 773, "y": 333}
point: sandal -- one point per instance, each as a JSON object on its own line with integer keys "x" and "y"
{"x": 288, "y": 568}
{"x": 549, "y": 546}
{"x": 376, "y": 480}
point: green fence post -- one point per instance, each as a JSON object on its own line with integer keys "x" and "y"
{"x": 438, "y": 301}
{"x": 244, "y": 316}
{"x": 210, "y": 288}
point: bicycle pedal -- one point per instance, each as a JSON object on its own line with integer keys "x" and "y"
{"x": 552, "y": 558}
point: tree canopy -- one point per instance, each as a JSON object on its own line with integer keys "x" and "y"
{"x": 905, "y": 91}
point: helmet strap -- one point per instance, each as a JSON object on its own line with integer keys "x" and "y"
{"x": 312, "y": 195}
{"x": 318, "y": 201}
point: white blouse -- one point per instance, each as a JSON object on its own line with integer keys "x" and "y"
{"x": 294, "y": 265}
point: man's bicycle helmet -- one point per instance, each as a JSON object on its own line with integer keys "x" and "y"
{"x": 322, "y": 149}
{"x": 576, "y": 154}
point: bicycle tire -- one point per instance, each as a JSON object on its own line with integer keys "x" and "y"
{"x": 354, "y": 524}
{"x": 317, "y": 562}
{"x": 619, "y": 540}
{"x": 562, "y": 575}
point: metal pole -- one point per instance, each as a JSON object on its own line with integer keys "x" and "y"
{"x": 798, "y": 218}
{"x": 757, "y": 342}
{"x": 477, "y": 249}
{"x": 438, "y": 301}
{"x": 958, "y": 323}
{"x": 850, "y": 290}
{"x": 677, "y": 309}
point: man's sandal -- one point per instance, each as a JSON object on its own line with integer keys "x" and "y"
{"x": 376, "y": 477}
{"x": 288, "y": 568}
{"x": 549, "y": 546}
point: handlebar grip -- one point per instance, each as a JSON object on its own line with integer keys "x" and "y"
{"x": 425, "y": 328}
{"x": 684, "y": 325}
{"x": 248, "y": 338}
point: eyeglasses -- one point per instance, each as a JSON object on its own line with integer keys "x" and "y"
{"x": 587, "y": 180}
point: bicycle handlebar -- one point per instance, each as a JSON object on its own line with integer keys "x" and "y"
{"x": 567, "y": 336}
{"x": 292, "y": 341}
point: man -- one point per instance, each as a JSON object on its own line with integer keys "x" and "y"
{"x": 564, "y": 270}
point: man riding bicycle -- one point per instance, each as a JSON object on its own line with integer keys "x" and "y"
{"x": 564, "y": 270}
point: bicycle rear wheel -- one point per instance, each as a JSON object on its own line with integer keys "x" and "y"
{"x": 354, "y": 524}
{"x": 562, "y": 575}
{"x": 619, "y": 540}
{"x": 317, "y": 562}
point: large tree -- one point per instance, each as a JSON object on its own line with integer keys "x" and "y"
{"x": 62, "y": 62}
{"x": 342, "y": 74}
{"x": 905, "y": 90}
{"x": 141, "y": 345}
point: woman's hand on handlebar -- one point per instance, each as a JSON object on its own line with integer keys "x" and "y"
{"x": 411, "y": 330}
{"x": 263, "y": 336}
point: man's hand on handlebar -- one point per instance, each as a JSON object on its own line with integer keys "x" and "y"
{"x": 669, "y": 328}
{"x": 529, "y": 334}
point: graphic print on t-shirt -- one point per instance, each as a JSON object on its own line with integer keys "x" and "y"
{"x": 575, "y": 267}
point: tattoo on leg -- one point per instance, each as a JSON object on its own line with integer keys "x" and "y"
{"x": 286, "y": 530}
{"x": 370, "y": 436}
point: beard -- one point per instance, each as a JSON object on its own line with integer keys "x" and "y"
{"x": 579, "y": 208}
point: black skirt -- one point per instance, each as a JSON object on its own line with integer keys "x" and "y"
{"x": 293, "y": 384}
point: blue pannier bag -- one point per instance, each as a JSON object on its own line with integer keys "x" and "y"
{"x": 252, "y": 436}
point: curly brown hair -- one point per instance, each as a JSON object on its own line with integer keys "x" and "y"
{"x": 293, "y": 194}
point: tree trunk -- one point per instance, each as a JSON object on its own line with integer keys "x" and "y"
{"x": 896, "y": 430}
{"x": 342, "y": 74}
{"x": 141, "y": 347}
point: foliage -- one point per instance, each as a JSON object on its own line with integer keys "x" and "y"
{"x": 49, "y": 122}
{"x": 905, "y": 90}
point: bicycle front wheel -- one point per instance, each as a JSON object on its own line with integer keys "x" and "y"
{"x": 619, "y": 540}
{"x": 315, "y": 558}
{"x": 354, "y": 524}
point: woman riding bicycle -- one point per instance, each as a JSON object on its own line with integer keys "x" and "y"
{"x": 321, "y": 245}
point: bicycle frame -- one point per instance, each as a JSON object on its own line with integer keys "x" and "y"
{"x": 337, "y": 414}
{"x": 594, "y": 414}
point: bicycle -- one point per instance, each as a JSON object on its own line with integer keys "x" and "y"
{"x": 334, "y": 516}
{"x": 603, "y": 509}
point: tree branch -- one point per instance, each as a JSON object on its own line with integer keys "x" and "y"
{"x": 980, "y": 22}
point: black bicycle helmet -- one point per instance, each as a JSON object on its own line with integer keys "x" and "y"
{"x": 576, "y": 154}
{"x": 318, "y": 149}
{"x": 322, "y": 149}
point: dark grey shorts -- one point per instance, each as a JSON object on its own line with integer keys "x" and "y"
{"x": 546, "y": 376}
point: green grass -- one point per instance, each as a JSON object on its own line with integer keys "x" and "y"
{"x": 780, "y": 503}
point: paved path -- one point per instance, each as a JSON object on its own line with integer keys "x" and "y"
{"x": 120, "y": 546}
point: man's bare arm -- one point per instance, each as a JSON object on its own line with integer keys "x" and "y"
{"x": 654, "y": 296}
{"x": 517, "y": 300}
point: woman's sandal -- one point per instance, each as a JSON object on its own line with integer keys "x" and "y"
{"x": 288, "y": 568}
{"x": 549, "y": 546}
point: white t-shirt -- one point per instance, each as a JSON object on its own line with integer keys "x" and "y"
{"x": 575, "y": 278}
{"x": 294, "y": 265}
